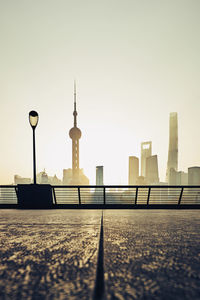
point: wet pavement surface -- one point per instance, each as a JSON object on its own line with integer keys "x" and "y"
{"x": 53, "y": 254}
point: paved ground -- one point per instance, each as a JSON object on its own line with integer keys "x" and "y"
{"x": 48, "y": 254}
{"x": 152, "y": 254}
{"x": 53, "y": 254}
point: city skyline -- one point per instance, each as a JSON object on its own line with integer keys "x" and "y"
{"x": 142, "y": 143}
{"x": 134, "y": 64}
{"x": 146, "y": 174}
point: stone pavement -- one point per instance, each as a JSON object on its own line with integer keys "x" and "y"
{"x": 54, "y": 254}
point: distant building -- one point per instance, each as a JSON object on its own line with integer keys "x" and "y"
{"x": 183, "y": 178}
{"x": 44, "y": 178}
{"x": 21, "y": 180}
{"x": 55, "y": 180}
{"x": 172, "y": 162}
{"x": 152, "y": 176}
{"x": 99, "y": 175}
{"x": 78, "y": 177}
{"x": 133, "y": 170}
{"x": 146, "y": 151}
{"x": 141, "y": 180}
{"x": 194, "y": 176}
{"x": 98, "y": 195}
{"x": 172, "y": 177}
{"x": 177, "y": 178}
{"x": 68, "y": 177}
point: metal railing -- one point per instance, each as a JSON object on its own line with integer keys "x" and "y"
{"x": 8, "y": 194}
{"x": 127, "y": 195}
{"x": 114, "y": 195}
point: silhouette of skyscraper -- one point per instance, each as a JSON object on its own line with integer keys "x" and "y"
{"x": 152, "y": 176}
{"x": 133, "y": 170}
{"x": 78, "y": 177}
{"x": 173, "y": 145}
{"x": 99, "y": 175}
{"x": 177, "y": 178}
{"x": 146, "y": 151}
{"x": 194, "y": 176}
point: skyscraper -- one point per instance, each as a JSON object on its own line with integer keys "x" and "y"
{"x": 152, "y": 170}
{"x": 173, "y": 144}
{"x": 194, "y": 176}
{"x": 78, "y": 177}
{"x": 133, "y": 170}
{"x": 146, "y": 151}
{"x": 177, "y": 178}
{"x": 99, "y": 175}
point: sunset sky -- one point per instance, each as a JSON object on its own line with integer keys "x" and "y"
{"x": 134, "y": 61}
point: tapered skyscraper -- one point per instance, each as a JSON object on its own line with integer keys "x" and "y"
{"x": 75, "y": 135}
{"x": 172, "y": 163}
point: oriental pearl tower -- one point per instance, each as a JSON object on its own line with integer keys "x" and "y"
{"x": 75, "y": 135}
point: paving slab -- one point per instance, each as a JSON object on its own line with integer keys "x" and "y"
{"x": 48, "y": 254}
{"x": 152, "y": 254}
{"x": 52, "y": 254}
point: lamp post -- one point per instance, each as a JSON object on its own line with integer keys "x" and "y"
{"x": 33, "y": 120}
{"x": 34, "y": 195}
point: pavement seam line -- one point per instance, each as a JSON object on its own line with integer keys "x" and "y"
{"x": 99, "y": 289}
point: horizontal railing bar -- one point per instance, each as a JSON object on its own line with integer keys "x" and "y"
{"x": 115, "y": 186}
{"x": 127, "y": 186}
{"x": 8, "y": 186}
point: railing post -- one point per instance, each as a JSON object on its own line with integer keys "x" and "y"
{"x": 54, "y": 194}
{"x": 180, "y": 197}
{"x": 16, "y": 191}
{"x": 79, "y": 196}
{"x": 104, "y": 196}
{"x": 148, "y": 196}
{"x": 136, "y": 194}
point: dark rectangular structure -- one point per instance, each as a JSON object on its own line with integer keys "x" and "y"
{"x": 34, "y": 196}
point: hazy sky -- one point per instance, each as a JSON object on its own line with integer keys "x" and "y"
{"x": 135, "y": 61}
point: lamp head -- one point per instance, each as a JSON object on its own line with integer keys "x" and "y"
{"x": 33, "y": 118}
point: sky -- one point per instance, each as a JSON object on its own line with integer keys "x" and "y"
{"x": 134, "y": 61}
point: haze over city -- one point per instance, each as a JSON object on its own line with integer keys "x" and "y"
{"x": 134, "y": 62}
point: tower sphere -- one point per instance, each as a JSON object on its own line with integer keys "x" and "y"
{"x": 75, "y": 133}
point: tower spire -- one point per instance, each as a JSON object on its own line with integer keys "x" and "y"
{"x": 75, "y": 135}
{"x": 75, "y": 112}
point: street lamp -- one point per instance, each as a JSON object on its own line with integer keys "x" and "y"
{"x": 33, "y": 120}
